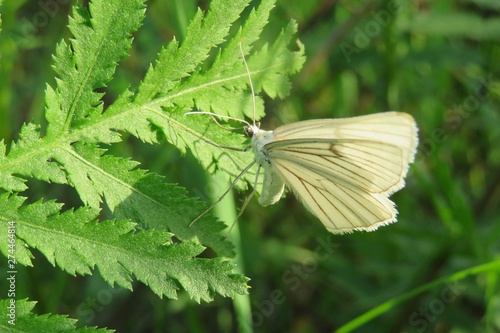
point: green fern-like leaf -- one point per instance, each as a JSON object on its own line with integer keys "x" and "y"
{"x": 78, "y": 123}
{"x": 26, "y": 321}
{"x": 77, "y": 243}
{"x": 221, "y": 89}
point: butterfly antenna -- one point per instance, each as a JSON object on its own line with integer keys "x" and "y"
{"x": 251, "y": 84}
{"x": 224, "y": 194}
{"x": 230, "y": 129}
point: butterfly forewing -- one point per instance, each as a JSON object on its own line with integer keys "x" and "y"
{"x": 373, "y": 166}
{"x": 394, "y": 128}
{"x": 386, "y": 123}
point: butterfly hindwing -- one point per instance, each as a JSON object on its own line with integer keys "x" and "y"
{"x": 341, "y": 207}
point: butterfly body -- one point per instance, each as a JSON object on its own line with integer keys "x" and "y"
{"x": 273, "y": 185}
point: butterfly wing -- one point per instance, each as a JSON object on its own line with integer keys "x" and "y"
{"x": 273, "y": 187}
{"x": 394, "y": 128}
{"x": 343, "y": 170}
{"x": 341, "y": 207}
{"x": 371, "y": 151}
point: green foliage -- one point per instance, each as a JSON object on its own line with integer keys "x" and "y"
{"x": 79, "y": 124}
{"x": 394, "y": 302}
{"x": 453, "y": 25}
{"x": 75, "y": 242}
{"x": 436, "y": 269}
{"x": 26, "y": 321}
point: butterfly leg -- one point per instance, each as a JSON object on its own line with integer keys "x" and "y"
{"x": 224, "y": 194}
{"x": 247, "y": 200}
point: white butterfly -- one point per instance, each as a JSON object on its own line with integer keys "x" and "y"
{"x": 343, "y": 170}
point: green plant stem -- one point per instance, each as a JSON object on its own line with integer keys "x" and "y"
{"x": 226, "y": 211}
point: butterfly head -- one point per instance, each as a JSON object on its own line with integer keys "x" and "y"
{"x": 251, "y": 130}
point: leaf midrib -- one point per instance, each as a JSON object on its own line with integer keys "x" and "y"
{"x": 87, "y": 74}
{"x": 60, "y": 142}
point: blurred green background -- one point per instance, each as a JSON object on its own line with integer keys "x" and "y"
{"x": 439, "y": 61}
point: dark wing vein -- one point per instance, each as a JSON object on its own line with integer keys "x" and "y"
{"x": 375, "y": 167}
{"x": 340, "y": 207}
